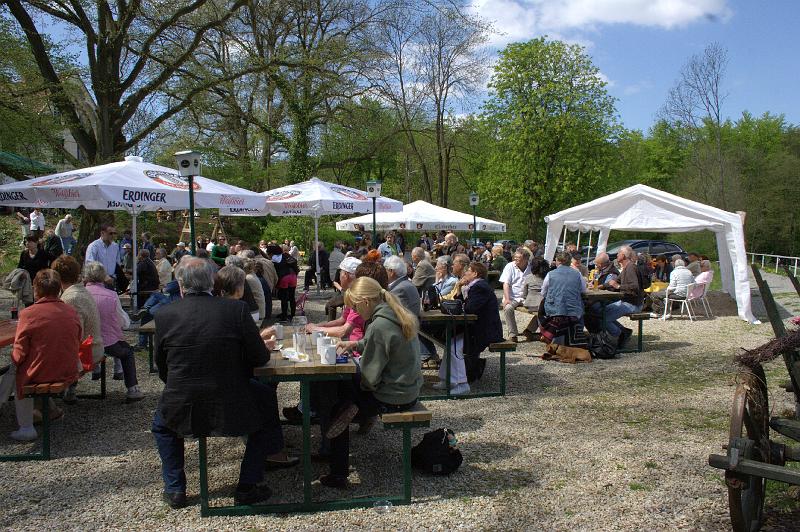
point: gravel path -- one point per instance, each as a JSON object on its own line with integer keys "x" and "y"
{"x": 611, "y": 445}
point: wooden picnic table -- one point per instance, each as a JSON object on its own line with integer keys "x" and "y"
{"x": 604, "y": 296}
{"x": 450, "y": 321}
{"x": 279, "y": 369}
{"x": 8, "y": 331}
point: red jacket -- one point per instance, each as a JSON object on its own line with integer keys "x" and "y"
{"x": 47, "y": 343}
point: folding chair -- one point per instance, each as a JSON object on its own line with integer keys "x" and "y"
{"x": 704, "y": 300}
{"x": 684, "y": 301}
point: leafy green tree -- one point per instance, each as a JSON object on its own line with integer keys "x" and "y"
{"x": 553, "y": 124}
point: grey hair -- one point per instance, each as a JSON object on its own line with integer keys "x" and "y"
{"x": 247, "y": 254}
{"x": 418, "y": 252}
{"x": 161, "y": 251}
{"x": 94, "y": 272}
{"x": 233, "y": 260}
{"x": 462, "y": 258}
{"x": 628, "y": 252}
{"x": 249, "y": 266}
{"x": 676, "y": 257}
{"x": 445, "y": 260}
{"x": 396, "y": 264}
{"x": 195, "y": 275}
{"x": 680, "y": 262}
{"x": 528, "y": 243}
{"x": 705, "y": 264}
{"x": 231, "y": 279}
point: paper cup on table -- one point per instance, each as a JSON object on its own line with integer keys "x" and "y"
{"x": 328, "y": 355}
{"x": 299, "y": 340}
{"x": 278, "y": 331}
{"x": 315, "y": 336}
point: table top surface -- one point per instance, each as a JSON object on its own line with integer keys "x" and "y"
{"x": 149, "y": 327}
{"x": 278, "y": 365}
{"x": 601, "y": 295}
{"x": 429, "y": 316}
{"x": 8, "y": 331}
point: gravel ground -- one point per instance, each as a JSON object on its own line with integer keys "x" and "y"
{"x": 611, "y": 445}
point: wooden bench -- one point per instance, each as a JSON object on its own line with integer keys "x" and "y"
{"x": 640, "y": 317}
{"x": 419, "y": 416}
{"x": 44, "y": 391}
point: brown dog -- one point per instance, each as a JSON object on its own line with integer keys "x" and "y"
{"x": 563, "y": 353}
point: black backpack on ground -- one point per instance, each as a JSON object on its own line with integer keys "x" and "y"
{"x": 434, "y": 455}
{"x": 602, "y": 345}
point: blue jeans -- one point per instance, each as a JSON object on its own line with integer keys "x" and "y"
{"x": 616, "y": 310}
{"x": 260, "y": 444}
{"x": 153, "y": 303}
{"x": 67, "y": 243}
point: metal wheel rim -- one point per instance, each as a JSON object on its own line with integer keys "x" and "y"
{"x": 749, "y": 418}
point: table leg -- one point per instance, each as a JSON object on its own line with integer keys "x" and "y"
{"x": 448, "y": 341}
{"x": 305, "y": 399}
{"x": 150, "y": 353}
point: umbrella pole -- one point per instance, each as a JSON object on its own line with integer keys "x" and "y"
{"x": 134, "y": 290}
{"x": 589, "y": 253}
{"x": 316, "y": 250}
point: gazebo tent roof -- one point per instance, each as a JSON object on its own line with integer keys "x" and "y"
{"x": 643, "y": 208}
{"x": 422, "y": 216}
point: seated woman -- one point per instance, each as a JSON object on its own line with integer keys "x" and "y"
{"x": 561, "y": 311}
{"x": 390, "y": 377}
{"x": 112, "y": 322}
{"x": 532, "y": 292}
{"x": 45, "y": 348}
{"x": 479, "y": 299}
{"x": 75, "y": 295}
{"x": 663, "y": 269}
{"x": 445, "y": 280}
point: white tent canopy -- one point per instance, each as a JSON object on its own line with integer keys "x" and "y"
{"x": 643, "y": 208}
{"x": 422, "y": 216}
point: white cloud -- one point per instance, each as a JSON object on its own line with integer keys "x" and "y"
{"x": 608, "y": 81}
{"x": 636, "y": 88}
{"x": 517, "y": 20}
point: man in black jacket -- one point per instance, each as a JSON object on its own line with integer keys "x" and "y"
{"x": 206, "y": 349}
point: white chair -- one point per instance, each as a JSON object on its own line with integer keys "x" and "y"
{"x": 702, "y": 298}
{"x": 686, "y": 302}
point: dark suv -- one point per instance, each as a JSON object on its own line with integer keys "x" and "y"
{"x": 652, "y": 247}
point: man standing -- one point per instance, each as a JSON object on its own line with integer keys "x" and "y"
{"x": 334, "y": 260}
{"x": 37, "y": 223}
{"x": 104, "y": 250}
{"x": 630, "y": 287}
{"x": 64, "y": 230}
{"x": 163, "y": 267}
{"x": 389, "y": 248}
{"x": 218, "y": 340}
{"x": 424, "y": 274}
{"x": 513, "y": 279}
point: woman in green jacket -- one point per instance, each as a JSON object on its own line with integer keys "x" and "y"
{"x": 390, "y": 377}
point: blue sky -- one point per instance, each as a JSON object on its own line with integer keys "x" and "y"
{"x": 640, "y": 46}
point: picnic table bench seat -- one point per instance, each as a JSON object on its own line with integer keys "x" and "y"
{"x": 45, "y": 391}
{"x": 639, "y": 317}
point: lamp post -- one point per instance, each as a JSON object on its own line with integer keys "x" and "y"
{"x": 374, "y": 191}
{"x": 189, "y": 166}
{"x": 473, "y": 200}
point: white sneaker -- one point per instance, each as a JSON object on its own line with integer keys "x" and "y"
{"x": 24, "y": 434}
{"x": 460, "y": 389}
{"x": 654, "y": 315}
{"x": 439, "y": 386}
{"x": 668, "y": 316}
{"x": 134, "y": 394}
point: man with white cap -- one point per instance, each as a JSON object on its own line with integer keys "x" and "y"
{"x": 180, "y": 252}
{"x": 349, "y": 326}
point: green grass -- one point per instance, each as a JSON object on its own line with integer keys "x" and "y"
{"x": 638, "y": 486}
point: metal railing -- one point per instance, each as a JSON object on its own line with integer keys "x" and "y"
{"x": 770, "y": 261}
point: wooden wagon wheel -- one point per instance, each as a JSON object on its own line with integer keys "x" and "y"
{"x": 750, "y": 421}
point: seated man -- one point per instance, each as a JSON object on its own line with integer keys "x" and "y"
{"x": 513, "y": 279}
{"x": 630, "y": 287}
{"x": 400, "y": 286}
{"x": 424, "y": 274}
{"x": 679, "y": 280}
{"x": 562, "y": 303}
{"x": 206, "y": 348}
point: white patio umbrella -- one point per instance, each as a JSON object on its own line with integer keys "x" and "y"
{"x": 423, "y": 216}
{"x": 131, "y": 185}
{"x": 315, "y": 198}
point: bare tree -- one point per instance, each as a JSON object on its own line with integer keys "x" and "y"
{"x": 695, "y": 104}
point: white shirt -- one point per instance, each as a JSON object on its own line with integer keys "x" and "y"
{"x": 37, "y": 221}
{"x": 106, "y": 255}
{"x": 516, "y": 279}
{"x": 210, "y": 246}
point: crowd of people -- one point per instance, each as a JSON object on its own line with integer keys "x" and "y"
{"x": 215, "y": 324}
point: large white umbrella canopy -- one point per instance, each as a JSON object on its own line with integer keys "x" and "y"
{"x": 316, "y": 198}
{"x": 422, "y": 216}
{"x": 131, "y": 185}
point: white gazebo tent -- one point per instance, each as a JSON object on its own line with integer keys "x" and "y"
{"x": 316, "y": 198}
{"x": 643, "y": 208}
{"x": 422, "y": 216}
{"x": 131, "y": 185}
